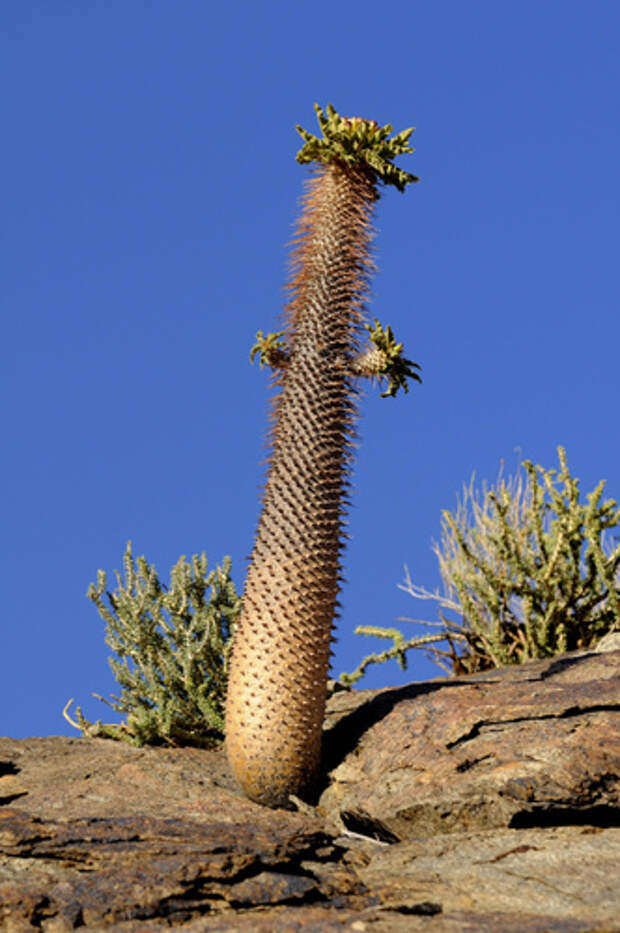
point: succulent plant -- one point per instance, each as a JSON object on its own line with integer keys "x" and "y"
{"x": 281, "y": 652}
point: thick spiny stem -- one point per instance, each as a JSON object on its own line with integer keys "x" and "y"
{"x": 278, "y": 675}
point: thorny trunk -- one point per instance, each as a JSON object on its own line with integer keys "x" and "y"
{"x": 278, "y": 674}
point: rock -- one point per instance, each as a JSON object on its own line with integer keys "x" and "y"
{"x": 486, "y": 803}
{"x": 530, "y": 745}
{"x": 609, "y": 642}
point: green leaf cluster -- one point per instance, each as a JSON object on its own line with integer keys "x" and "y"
{"x": 354, "y": 140}
{"x": 528, "y": 572}
{"x": 271, "y": 350}
{"x": 393, "y": 365}
{"x": 172, "y": 645}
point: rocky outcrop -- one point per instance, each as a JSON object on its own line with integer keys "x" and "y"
{"x": 485, "y": 803}
{"x": 531, "y": 745}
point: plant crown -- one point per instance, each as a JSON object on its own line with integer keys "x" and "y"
{"x": 355, "y": 141}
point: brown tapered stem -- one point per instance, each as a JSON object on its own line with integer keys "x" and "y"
{"x": 278, "y": 673}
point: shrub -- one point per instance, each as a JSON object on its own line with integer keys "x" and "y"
{"x": 172, "y": 645}
{"x": 528, "y": 570}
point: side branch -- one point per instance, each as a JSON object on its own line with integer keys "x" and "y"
{"x": 271, "y": 350}
{"x": 384, "y": 360}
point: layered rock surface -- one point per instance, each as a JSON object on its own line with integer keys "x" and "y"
{"x": 484, "y": 803}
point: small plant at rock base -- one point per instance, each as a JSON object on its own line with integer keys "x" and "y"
{"x": 526, "y": 567}
{"x": 172, "y": 645}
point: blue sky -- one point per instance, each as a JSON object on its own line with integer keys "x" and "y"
{"x": 150, "y": 191}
